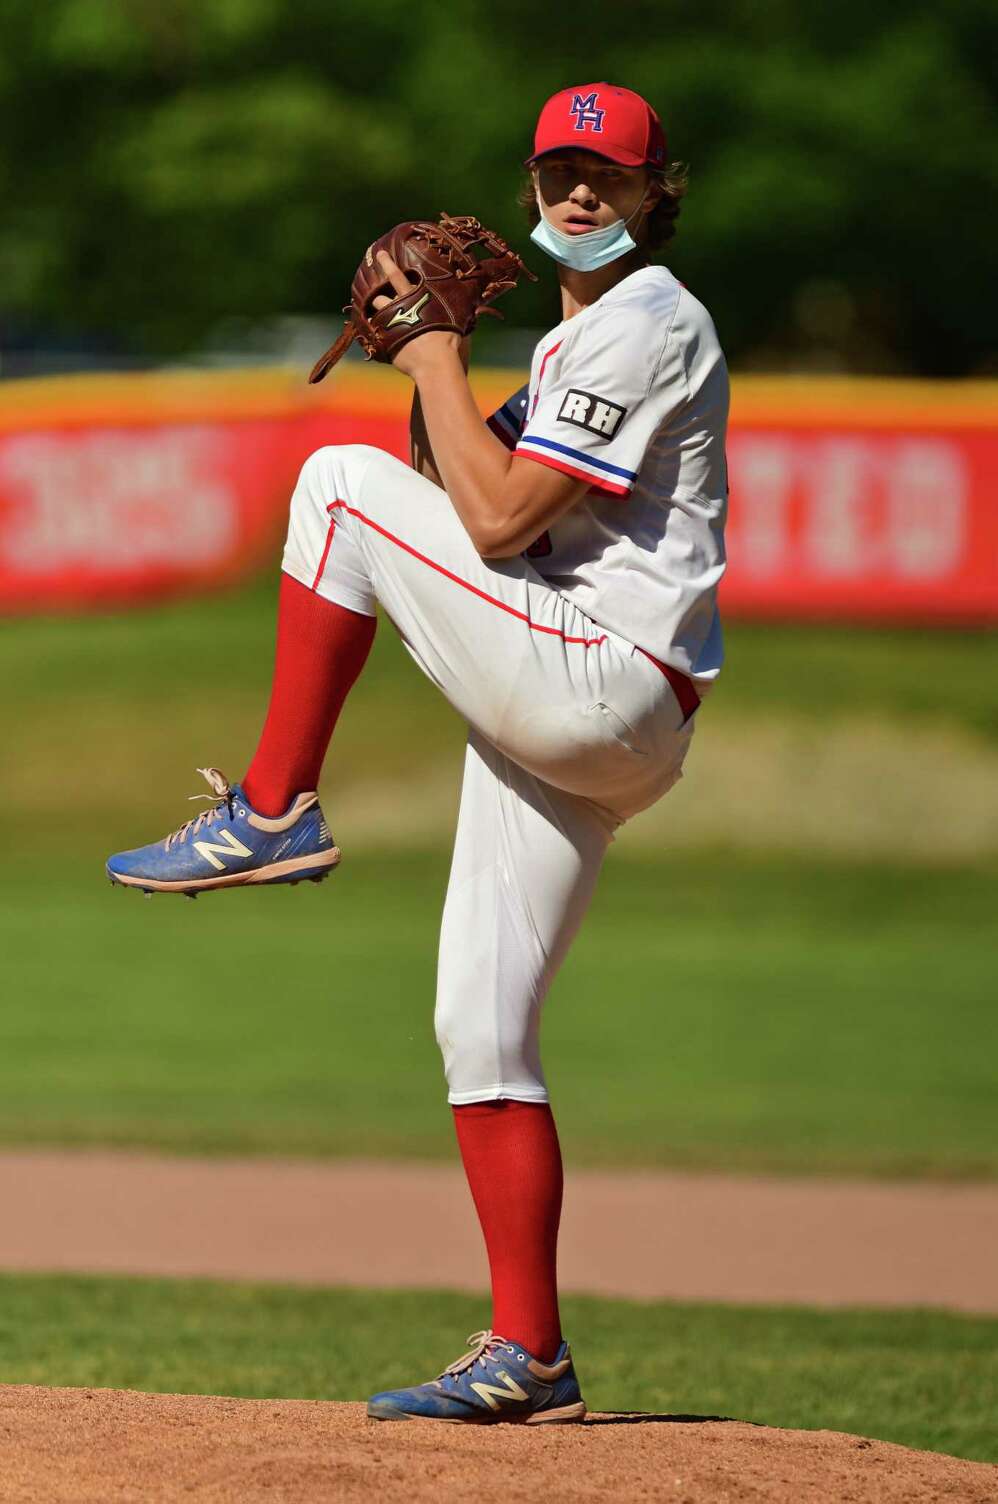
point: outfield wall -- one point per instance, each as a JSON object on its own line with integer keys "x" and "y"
{"x": 860, "y": 499}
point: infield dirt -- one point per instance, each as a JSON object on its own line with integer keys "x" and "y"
{"x": 88, "y": 1446}
{"x": 729, "y": 1238}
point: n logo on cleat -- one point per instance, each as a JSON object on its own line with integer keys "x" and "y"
{"x": 492, "y": 1394}
{"x": 227, "y": 845}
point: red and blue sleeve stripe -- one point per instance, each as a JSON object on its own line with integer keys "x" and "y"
{"x": 613, "y": 479}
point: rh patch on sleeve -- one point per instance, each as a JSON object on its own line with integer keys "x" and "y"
{"x": 597, "y": 414}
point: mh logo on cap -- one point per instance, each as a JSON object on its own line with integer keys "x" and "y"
{"x": 586, "y": 113}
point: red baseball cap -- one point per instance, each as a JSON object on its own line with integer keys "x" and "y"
{"x": 615, "y": 122}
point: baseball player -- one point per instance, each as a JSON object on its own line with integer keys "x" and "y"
{"x": 554, "y": 572}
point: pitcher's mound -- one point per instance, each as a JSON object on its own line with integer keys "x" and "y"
{"x": 89, "y": 1446}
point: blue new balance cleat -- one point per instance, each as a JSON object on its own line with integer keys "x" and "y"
{"x": 230, "y": 845}
{"x": 496, "y": 1381}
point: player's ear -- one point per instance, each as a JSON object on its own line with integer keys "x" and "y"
{"x": 654, "y": 192}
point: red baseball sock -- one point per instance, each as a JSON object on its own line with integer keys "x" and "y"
{"x": 321, "y": 648}
{"x": 513, "y": 1164}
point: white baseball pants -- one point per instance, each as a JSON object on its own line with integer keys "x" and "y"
{"x": 571, "y": 731}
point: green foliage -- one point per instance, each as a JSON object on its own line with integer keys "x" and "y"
{"x": 165, "y": 167}
{"x": 922, "y": 1378}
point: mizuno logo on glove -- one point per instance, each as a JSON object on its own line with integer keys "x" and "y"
{"x": 409, "y": 315}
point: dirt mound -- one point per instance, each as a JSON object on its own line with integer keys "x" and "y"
{"x": 90, "y": 1446}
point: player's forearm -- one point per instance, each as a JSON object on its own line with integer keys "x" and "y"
{"x": 472, "y": 463}
{"x": 420, "y": 449}
{"x": 420, "y": 452}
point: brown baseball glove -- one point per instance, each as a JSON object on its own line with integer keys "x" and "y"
{"x": 457, "y": 269}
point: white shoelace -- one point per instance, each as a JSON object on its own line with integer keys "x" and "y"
{"x": 482, "y": 1344}
{"x": 220, "y": 791}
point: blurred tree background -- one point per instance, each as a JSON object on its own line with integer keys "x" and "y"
{"x": 166, "y": 167}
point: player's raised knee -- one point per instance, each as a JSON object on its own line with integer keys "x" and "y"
{"x": 329, "y": 472}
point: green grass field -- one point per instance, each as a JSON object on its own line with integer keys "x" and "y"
{"x": 921, "y": 1378}
{"x": 226, "y": 641}
{"x": 112, "y": 714}
{"x": 751, "y": 1015}
{"x": 721, "y": 1008}
{"x": 755, "y": 1004}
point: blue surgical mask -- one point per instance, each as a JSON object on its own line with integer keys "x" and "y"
{"x": 589, "y": 251}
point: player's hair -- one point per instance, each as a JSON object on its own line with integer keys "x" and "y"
{"x": 673, "y": 180}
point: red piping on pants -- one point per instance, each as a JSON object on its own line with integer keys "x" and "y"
{"x": 325, "y": 553}
{"x": 586, "y": 642}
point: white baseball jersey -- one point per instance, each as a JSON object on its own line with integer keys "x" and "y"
{"x": 632, "y": 394}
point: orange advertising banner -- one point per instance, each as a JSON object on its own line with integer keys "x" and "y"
{"x": 863, "y": 500}
{"x": 124, "y": 490}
